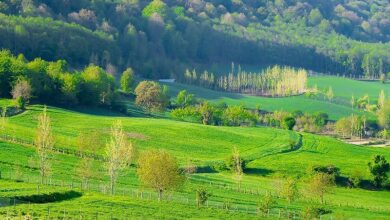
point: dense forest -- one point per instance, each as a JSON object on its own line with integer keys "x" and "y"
{"x": 162, "y": 38}
{"x": 54, "y": 83}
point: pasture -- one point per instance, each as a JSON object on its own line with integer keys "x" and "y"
{"x": 266, "y": 151}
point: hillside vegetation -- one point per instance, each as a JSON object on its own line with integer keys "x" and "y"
{"x": 194, "y": 109}
{"x": 344, "y": 89}
{"x": 265, "y": 150}
{"x": 162, "y": 38}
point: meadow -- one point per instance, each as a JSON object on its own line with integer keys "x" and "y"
{"x": 266, "y": 150}
{"x": 343, "y": 89}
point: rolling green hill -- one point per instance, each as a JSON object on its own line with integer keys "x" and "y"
{"x": 343, "y": 89}
{"x": 265, "y": 149}
{"x": 162, "y": 38}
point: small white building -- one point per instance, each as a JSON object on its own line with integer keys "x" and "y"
{"x": 167, "y": 80}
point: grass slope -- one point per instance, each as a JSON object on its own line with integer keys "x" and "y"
{"x": 343, "y": 87}
{"x": 335, "y": 109}
{"x": 205, "y": 143}
{"x": 266, "y": 147}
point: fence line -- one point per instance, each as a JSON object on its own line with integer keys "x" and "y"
{"x": 142, "y": 194}
{"x": 57, "y": 149}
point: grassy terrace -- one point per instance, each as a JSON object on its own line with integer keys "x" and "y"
{"x": 266, "y": 148}
{"x": 343, "y": 90}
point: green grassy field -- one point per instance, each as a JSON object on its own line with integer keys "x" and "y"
{"x": 266, "y": 150}
{"x": 343, "y": 87}
{"x": 343, "y": 90}
{"x": 7, "y": 103}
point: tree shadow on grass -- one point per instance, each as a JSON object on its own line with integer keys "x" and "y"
{"x": 51, "y": 197}
{"x": 259, "y": 171}
{"x": 206, "y": 169}
{"x": 364, "y": 184}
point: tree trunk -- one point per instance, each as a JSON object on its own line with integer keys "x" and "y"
{"x": 160, "y": 193}
{"x": 112, "y": 187}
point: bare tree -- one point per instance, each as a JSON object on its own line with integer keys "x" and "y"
{"x": 3, "y": 119}
{"x": 290, "y": 190}
{"x": 381, "y": 99}
{"x": 85, "y": 170}
{"x": 22, "y": 92}
{"x": 119, "y": 154}
{"x": 329, "y": 94}
{"x": 237, "y": 166}
{"x": 44, "y": 143}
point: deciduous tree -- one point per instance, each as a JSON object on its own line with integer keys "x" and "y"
{"x": 202, "y": 196}
{"x": 381, "y": 99}
{"x": 384, "y": 115}
{"x": 159, "y": 170}
{"x": 290, "y": 190}
{"x": 266, "y": 203}
{"x": 320, "y": 184}
{"x": 379, "y": 169}
{"x": 150, "y": 96}
{"x": 21, "y": 92}
{"x": 127, "y": 80}
{"x": 207, "y": 111}
{"x": 3, "y": 118}
{"x": 119, "y": 154}
{"x": 85, "y": 170}
{"x": 44, "y": 142}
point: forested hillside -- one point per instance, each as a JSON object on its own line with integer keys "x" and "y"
{"x": 163, "y": 38}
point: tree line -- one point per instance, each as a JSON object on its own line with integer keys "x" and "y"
{"x": 160, "y": 39}
{"x": 186, "y": 107}
{"x": 56, "y": 83}
{"x": 273, "y": 81}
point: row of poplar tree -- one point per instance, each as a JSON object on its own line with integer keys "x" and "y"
{"x": 273, "y": 81}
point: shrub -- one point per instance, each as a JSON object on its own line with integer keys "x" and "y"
{"x": 331, "y": 170}
{"x": 266, "y": 203}
{"x": 313, "y": 212}
{"x": 231, "y": 163}
{"x": 379, "y": 169}
{"x": 356, "y": 178}
{"x": 288, "y": 123}
{"x": 202, "y": 196}
{"x": 219, "y": 166}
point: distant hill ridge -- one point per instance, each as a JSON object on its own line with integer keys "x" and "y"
{"x": 160, "y": 39}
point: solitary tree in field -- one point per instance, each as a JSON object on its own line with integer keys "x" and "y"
{"x": 353, "y": 101}
{"x": 320, "y": 184}
{"x": 379, "y": 169}
{"x": 89, "y": 141}
{"x": 206, "y": 111}
{"x": 44, "y": 142}
{"x": 202, "y": 196}
{"x": 381, "y": 99}
{"x": 85, "y": 170}
{"x": 127, "y": 80}
{"x": 150, "y": 96}
{"x": 3, "y": 119}
{"x": 237, "y": 166}
{"x": 384, "y": 115}
{"x": 329, "y": 94}
{"x": 184, "y": 99}
{"x": 21, "y": 92}
{"x": 190, "y": 168}
{"x": 266, "y": 203}
{"x": 289, "y": 190}
{"x": 159, "y": 170}
{"x": 119, "y": 153}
